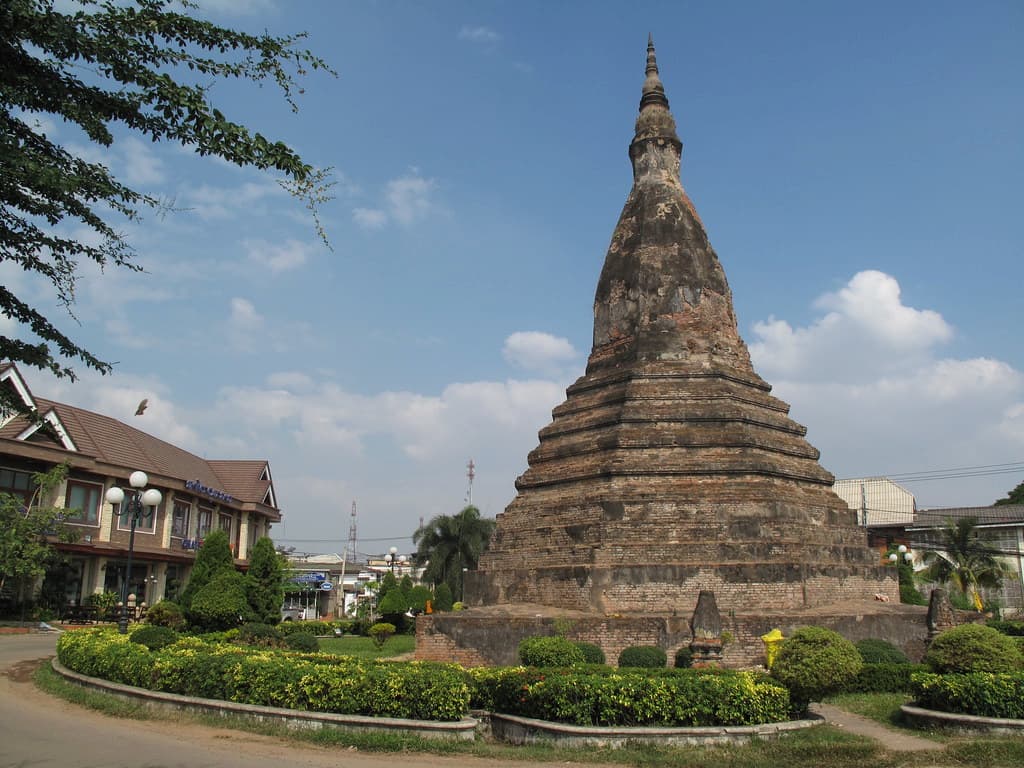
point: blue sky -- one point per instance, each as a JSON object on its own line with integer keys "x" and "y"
{"x": 857, "y": 167}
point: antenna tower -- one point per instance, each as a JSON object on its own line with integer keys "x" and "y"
{"x": 350, "y": 553}
{"x": 470, "y": 473}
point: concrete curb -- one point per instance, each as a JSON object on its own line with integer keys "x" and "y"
{"x": 463, "y": 730}
{"x": 951, "y": 721}
{"x": 524, "y": 730}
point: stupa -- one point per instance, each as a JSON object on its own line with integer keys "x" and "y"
{"x": 671, "y": 468}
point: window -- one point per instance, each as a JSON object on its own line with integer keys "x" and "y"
{"x": 205, "y": 522}
{"x": 82, "y": 502}
{"x": 17, "y": 483}
{"x": 224, "y": 521}
{"x": 179, "y": 518}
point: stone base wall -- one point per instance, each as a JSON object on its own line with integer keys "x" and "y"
{"x": 668, "y": 589}
{"x": 475, "y": 640}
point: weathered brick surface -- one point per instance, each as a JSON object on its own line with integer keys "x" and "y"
{"x": 670, "y": 467}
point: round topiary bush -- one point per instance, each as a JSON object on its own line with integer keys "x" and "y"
{"x": 973, "y": 648}
{"x": 875, "y": 651}
{"x": 549, "y": 651}
{"x": 154, "y": 637}
{"x": 648, "y": 656}
{"x": 815, "y": 662}
{"x": 166, "y": 614}
{"x": 303, "y": 641}
{"x": 684, "y": 657}
{"x": 592, "y": 654}
{"x": 221, "y": 604}
{"x": 380, "y": 632}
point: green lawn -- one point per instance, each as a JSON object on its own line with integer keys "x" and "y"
{"x": 364, "y": 648}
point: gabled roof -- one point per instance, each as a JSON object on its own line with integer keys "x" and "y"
{"x": 109, "y": 441}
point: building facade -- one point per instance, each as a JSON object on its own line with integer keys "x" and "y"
{"x": 199, "y": 496}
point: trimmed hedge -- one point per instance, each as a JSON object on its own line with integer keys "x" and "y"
{"x": 592, "y": 654}
{"x": 884, "y": 678}
{"x": 646, "y": 656}
{"x": 154, "y": 637}
{"x": 979, "y": 693}
{"x": 875, "y": 651}
{"x": 1012, "y": 628}
{"x": 606, "y": 697}
{"x": 549, "y": 651}
{"x": 312, "y": 682}
{"x": 815, "y": 662}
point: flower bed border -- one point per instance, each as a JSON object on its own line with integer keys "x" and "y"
{"x": 294, "y": 719}
{"x": 920, "y": 717}
{"x": 524, "y": 730}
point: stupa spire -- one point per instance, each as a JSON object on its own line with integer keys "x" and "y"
{"x": 654, "y": 91}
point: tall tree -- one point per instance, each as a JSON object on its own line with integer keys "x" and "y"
{"x": 264, "y": 582}
{"x": 1016, "y": 496}
{"x": 450, "y": 543}
{"x": 27, "y": 530}
{"x": 213, "y": 558}
{"x": 962, "y": 559}
{"x": 111, "y": 68}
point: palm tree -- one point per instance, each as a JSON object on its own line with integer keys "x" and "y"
{"x": 450, "y": 543}
{"x": 963, "y": 559}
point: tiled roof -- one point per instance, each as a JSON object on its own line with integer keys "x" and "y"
{"x": 113, "y": 442}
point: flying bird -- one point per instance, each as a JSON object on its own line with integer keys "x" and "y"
{"x": 142, "y": 407}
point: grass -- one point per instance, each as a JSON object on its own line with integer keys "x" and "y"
{"x": 883, "y": 708}
{"x": 364, "y": 647}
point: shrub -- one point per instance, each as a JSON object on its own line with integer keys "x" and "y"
{"x": 221, "y": 604}
{"x": 1012, "y": 628}
{"x": 884, "y": 678}
{"x": 815, "y": 662}
{"x": 592, "y": 654}
{"x": 166, "y": 614}
{"x": 973, "y": 648}
{"x": 684, "y": 657}
{"x": 649, "y": 656}
{"x": 321, "y": 628}
{"x": 875, "y": 651}
{"x": 259, "y": 634}
{"x": 553, "y": 651}
{"x": 418, "y": 597}
{"x": 317, "y": 683}
{"x": 264, "y": 582}
{"x": 303, "y": 641}
{"x": 980, "y": 693}
{"x": 609, "y": 697}
{"x": 154, "y": 637}
{"x": 380, "y": 633}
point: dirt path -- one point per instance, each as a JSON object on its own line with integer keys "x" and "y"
{"x": 889, "y": 738}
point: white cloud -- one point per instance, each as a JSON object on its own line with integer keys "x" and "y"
{"x": 876, "y": 398}
{"x": 141, "y": 166}
{"x": 409, "y": 198}
{"x": 478, "y": 34}
{"x": 237, "y": 7}
{"x": 291, "y": 254}
{"x": 538, "y": 351}
{"x": 214, "y": 203}
{"x": 369, "y": 218}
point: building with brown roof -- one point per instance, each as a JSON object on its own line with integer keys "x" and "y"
{"x": 199, "y": 495}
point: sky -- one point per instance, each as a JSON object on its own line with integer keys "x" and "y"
{"x": 857, "y": 166}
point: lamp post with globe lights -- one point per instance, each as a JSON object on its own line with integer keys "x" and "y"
{"x": 894, "y": 557}
{"x": 137, "y": 505}
{"x": 392, "y": 558}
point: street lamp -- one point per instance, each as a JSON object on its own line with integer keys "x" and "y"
{"x": 392, "y": 558}
{"x": 902, "y": 550}
{"x": 138, "y": 505}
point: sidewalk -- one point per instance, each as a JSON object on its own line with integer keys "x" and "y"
{"x": 862, "y": 726}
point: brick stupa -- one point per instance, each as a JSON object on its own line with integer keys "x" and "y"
{"x": 670, "y": 468}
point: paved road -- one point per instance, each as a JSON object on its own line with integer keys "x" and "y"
{"x": 37, "y": 731}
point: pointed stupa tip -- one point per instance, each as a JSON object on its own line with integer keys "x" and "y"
{"x": 653, "y": 91}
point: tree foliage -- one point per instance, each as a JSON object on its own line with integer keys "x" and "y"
{"x": 213, "y": 558}
{"x": 450, "y": 543}
{"x": 27, "y": 531}
{"x": 962, "y": 559}
{"x": 1016, "y": 496}
{"x": 147, "y": 68}
{"x": 264, "y": 582}
{"x": 220, "y": 604}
